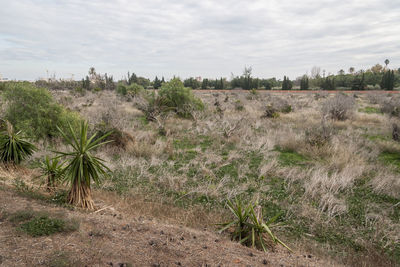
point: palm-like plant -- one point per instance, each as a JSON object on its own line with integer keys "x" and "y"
{"x": 82, "y": 167}
{"x": 248, "y": 227}
{"x": 52, "y": 170}
{"x": 13, "y": 147}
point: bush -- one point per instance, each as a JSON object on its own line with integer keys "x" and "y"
{"x": 239, "y": 106}
{"x": 152, "y": 106}
{"x": 391, "y": 107}
{"x": 40, "y": 223}
{"x": 13, "y": 147}
{"x": 248, "y": 226}
{"x": 339, "y": 107}
{"x": 44, "y": 225}
{"x": 319, "y": 136}
{"x": 179, "y": 98}
{"x": 34, "y": 110}
{"x": 270, "y": 112}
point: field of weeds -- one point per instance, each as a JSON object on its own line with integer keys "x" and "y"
{"x": 331, "y": 176}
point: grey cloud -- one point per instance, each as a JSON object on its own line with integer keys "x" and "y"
{"x": 191, "y": 38}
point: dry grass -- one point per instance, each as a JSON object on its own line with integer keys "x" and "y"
{"x": 185, "y": 174}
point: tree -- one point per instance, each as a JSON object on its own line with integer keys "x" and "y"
{"x": 304, "y": 84}
{"x": 328, "y": 84}
{"x": 287, "y": 83}
{"x": 359, "y": 84}
{"x": 386, "y": 63}
{"x": 157, "y": 83}
{"x": 377, "y": 68}
{"x": 341, "y": 72}
{"x": 82, "y": 167}
{"x": 247, "y": 78}
{"x": 204, "y": 84}
{"x": 388, "y": 80}
{"x": 351, "y": 70}
{"x": 315, "y": 72}
{"x": 131, "y": 78}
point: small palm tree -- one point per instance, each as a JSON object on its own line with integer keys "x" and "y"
{"x": 52, "y": 169}
{"x": 82, "y": 167}
{"x": 13, "y": 147}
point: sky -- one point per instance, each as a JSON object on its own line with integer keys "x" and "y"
{"x": 187, "y": 38}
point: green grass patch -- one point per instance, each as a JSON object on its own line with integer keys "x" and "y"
{"x": 391, "y": 158}
{"x": 40, "y": 223}
{"x": 370, "y": 110}
{"x": 377, "y": 137}
{"x": 290, "y": 158}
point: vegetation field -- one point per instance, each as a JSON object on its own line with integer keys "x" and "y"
{"x": 325, "y": 166}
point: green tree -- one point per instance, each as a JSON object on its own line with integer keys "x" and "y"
{"x": 205, "y": 84}
{"x": 157, "y": 83}
{"x": 287, "y": 83}
{"x": 328, "y": 84}
{"x": 82, "y": 167}
{"x": 386, "y": 63}
{"x": 388, "y": 80}
{"x": 304, "y": 83}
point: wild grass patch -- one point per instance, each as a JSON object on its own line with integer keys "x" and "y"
{"x": 370, "y": 110}
{"x": 38, "y": 224}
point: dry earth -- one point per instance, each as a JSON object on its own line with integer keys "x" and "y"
{"x": 110, "y": 238}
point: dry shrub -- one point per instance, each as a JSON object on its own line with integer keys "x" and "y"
{"x": 391, "y": 107}
{"x": 340, "y": 107}
{"x": 270, "y": 112}
{"x": 319, "y": 135}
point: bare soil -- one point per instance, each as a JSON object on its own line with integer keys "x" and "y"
{"x": 111, "y": 238}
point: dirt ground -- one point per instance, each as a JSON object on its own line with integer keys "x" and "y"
{"x": 110, "y": 238}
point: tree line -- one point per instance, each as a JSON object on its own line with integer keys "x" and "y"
{"x": 375, "y": 78}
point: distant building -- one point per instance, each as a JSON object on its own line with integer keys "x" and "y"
{"x": 3, "y": 79}
{"x": 199, "y": 79}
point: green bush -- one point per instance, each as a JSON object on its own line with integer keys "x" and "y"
{"x": 44, "y": 225}
{"x": 180, "y": 98}
{"x": 129, "y": 90}
{"x": 34, "y": 111}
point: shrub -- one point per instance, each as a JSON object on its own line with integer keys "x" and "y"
{"x": 52, "y": 170}
{"x": 34, "y": 110}
{"x": 319, "y": 136}
{"x": 239, "y": 106}
{"x": 248, "y": 226}
{"x": 180, "y": 98}
{"x": 395, "y": 132}
{"x": 152, "y": 106}
{"x": 44, "y": 225}
{"x": 13, "y": 147}
{"x": 270, "y": 112}
{"x": 391, "y": 107}
{"x": 339, "y": 107}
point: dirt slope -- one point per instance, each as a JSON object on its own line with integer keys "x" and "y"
{"x": 107, "y": 238}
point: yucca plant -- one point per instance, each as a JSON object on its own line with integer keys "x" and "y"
{"x": 248, "y": 227}
{"x": 13, "y": 147}
{"x": 82, "y": 167}
{"x": 52, "y": 170}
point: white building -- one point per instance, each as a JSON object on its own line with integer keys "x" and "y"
{"x": 3, "y": 79}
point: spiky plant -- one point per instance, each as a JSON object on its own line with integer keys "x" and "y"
{"x": 82, "y": 167}
{"x": 52, "y": 170}
{"x": 13, "y": 147}
{"x": 249, "y": 227}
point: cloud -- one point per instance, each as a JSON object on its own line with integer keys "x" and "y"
{"x": 195, "y": 38}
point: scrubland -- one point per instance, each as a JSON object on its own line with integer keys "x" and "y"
{"x": 331, "y": 176}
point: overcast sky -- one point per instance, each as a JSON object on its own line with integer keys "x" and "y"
{"x": 195, "y": 38}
